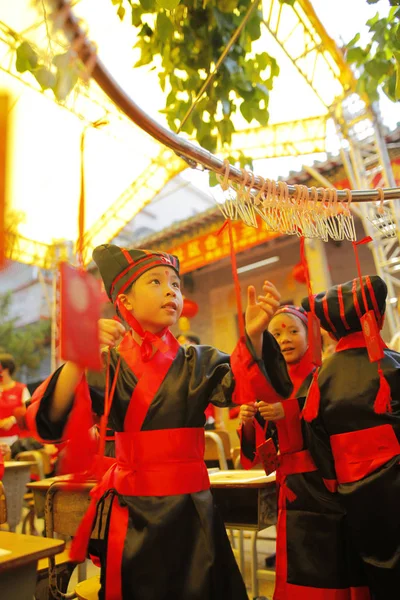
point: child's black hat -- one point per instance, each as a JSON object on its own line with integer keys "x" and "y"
{"x": 119, "y": 267}
{"x": 341, "y": 307}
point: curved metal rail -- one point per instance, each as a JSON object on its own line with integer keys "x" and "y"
{"x": 192, "y": 154}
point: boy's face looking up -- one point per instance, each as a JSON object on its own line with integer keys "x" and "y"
{"x": 155, "y": 299}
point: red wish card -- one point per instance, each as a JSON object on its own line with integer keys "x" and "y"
{"x": 268, "y": 456}
{"x": 80, "y": 304}
{"x": 372, "y": 336}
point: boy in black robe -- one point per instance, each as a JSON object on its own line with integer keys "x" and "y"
{"x": 353, "y": 429}
{"x": 164, "y": 538}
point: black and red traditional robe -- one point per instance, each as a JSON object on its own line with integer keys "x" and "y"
{"x": 165, "y": 539}
{"x": 314, "y": 560}
{"x": 350, "y": 442}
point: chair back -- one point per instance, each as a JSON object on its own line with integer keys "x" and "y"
{"x": 218, "y": 447}
{"x": 3, "y": 505}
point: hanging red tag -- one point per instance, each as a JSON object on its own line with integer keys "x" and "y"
{"x": 80, "y": 305}
{"x": 268, "y": 456}
{"x": 314, "y": 339}
{"x": 372, "y": 336}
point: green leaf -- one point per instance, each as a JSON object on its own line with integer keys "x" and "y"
{"x": 148, "y": 5}
{"x": 397, "y": 87}
{"x": 45, "y": 78}
{"x": 356, "y": 55}
{"x": 372, "y": 1}
{"x": 65, "y": 82}
{"x": 168, "y": 4}
{"x": 27, "y": 59}
{"x": 227, "y": 6}
{"x": 253, "y": 27}
{"x": 137, "y": 16}
{"x": 121, "y": 12}
{"x": 209, "y": 142}
{"x": 146, "y": 31}
{"x": 165, "y": 29}
{"x": 353, "y": 41}
{"x": 62, "y": 61}
{"x": 225, "y": 128}
{"x": 146, "y": 56}
{"x": 376, "y": 68}
{"x": 247, "y": 108}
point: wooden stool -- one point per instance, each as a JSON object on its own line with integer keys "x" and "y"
{"x": 89, "y": 589}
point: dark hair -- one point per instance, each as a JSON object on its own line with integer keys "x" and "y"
{"x": 7, "y": 362}
{"x": 191, "y": 337}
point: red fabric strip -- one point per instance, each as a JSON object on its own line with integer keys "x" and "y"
{"x": 359, "y": 453}
{"x": 326, "y": 313}
{"x": 289, "y": 429}
{"x": 364, "y": 296}
{"x": 122, "y": 274}
{"x": 115, "y": 549}
{"x": 307, "y": 593}
{"x": 296, "y": 462}
{"x": 154, "y": 372}
{"x": 251, "y": 383}
{"x": 281, "y": 549}
{"x": 353, "y": 340}
{"x": 159, "y": 259}
{"x": 307, "y": 273}
{"x": 259, "y": 439}
{"x": 165, "y": 462}
{"x": 137, "y": 274}
{"x": 81, "y": 213}
{"x": 373, "y": 299}
{"x": 341, "y": 308}
{"x": 128, "y": 257}
{"x": 331, "y": 485}
{"x": 355, "y": 299}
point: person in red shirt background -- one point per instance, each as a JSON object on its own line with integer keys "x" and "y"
{"x": 13, "y": 396}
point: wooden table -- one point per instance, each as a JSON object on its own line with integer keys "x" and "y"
{"x": 16, "y": 476}
{"x": 19, "y": 555}
{"x": 246, "y": 500}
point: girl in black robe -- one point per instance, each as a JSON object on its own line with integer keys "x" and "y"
{"x": 314, "y": 559}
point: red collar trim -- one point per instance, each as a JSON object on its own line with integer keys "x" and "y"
{"x": 299, "y": 371}
{"x": 353, "y": 340}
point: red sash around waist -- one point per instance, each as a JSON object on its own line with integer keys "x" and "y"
{"x": 296, "y": 462}
{"x": 359, "y": 453}
{"x": 164, "y": 462}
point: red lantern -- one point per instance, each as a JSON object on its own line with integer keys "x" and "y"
{"x": 190, "y": 308}
{"x": 299, "y": 273}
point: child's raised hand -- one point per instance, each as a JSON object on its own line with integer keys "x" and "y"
{"x": 110, "y": 332}
{"x": 247, "y": 412}
{"x": 271, "y": 412}
{"x": 261, "y": 309}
